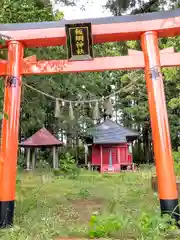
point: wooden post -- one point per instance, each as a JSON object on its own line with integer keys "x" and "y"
{"x": 101, "y": 152}
{"x": 28, "y": 159}
{"x": 86, "y": 154}
{"x": 33, "y": 159}
{"x": 57, "y": 158}
{"x": 119, "y": 157}
{"x": 54, "y": 158}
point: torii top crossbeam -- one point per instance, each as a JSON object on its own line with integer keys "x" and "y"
{"x": 108, "y": 29}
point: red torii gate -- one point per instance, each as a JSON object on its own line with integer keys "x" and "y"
{"x": 147, "y": 28}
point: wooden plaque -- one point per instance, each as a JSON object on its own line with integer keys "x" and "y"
{"x": 79, "y": 41}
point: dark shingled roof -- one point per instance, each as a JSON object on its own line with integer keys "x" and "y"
{"x": 110, "y": 132}
{"x": 41, "y": 138}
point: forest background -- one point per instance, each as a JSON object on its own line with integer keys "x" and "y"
{"x": 130, "y": 106}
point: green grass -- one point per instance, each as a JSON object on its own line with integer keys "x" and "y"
{"x": 120, "y": 206}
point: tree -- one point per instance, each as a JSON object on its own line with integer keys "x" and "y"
{"x": 130, "y": 105}
{"x": 24, "y": 11}
{"x": 119, "y": 7}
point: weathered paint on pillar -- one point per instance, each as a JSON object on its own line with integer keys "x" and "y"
{"x": 10, "y": 130}
{"x": 168, "y": 194}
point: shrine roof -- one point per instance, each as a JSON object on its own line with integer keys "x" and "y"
{"x": 110, "y": 132}
{"x": 42, "y": 138}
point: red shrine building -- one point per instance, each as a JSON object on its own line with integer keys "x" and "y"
{"x": 110, "y": 147}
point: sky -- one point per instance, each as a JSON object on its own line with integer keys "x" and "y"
{"x": 94, "y": 9}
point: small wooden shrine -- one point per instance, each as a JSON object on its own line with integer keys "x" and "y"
{"x": 42, "y": 138}
{"x": 109, "y": 147}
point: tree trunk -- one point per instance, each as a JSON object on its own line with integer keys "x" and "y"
{"x": 139, "y": 146}
{"x": 77, "y": 148}
{"x": 146, "y": 144}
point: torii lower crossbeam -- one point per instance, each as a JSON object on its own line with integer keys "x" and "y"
{"x": 131, "y": 62}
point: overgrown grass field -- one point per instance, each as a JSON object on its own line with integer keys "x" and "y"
{"x": 92, "y": 205}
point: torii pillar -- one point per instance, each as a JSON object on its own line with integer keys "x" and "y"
{"x": 10, "y": 131}
{"x": 167, "y": 188}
